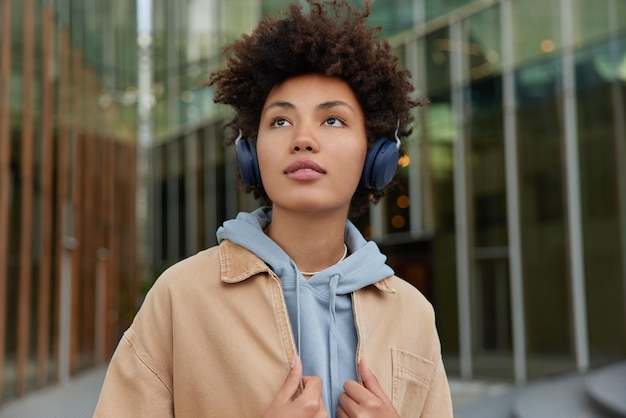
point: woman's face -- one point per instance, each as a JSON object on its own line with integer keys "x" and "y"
{"x": 311, "y": 144}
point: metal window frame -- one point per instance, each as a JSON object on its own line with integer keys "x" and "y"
{"x": 572, "y": 176}
{"x": 461, "y": 212}
{"x": 518, "y": 314}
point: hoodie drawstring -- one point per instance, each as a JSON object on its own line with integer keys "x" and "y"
{"x": 332, "y": 335}
{"x": 299, "y": 324}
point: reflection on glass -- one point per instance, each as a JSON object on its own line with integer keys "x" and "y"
{"x": 436, "y": 8}
{"x": 536, "y": 34}
{"x": 440, "y": 136}
{"x": 397, "y": 215}
{"x": 544, "y": 227}
{"x": 599, "y": 108}
{"x": 484, "y": 133}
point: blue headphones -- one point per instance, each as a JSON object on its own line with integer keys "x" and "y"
{"x": 381, "y": 163}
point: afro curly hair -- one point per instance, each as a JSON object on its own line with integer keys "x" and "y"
{"x": 332, "y": 39}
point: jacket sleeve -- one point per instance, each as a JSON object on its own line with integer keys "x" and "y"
{"x": 139, "y": 381}
{"x": 132, "y": 388}
{"x": 438, "y": 402}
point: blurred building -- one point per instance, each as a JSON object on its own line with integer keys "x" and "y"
{"x": 510, "y": 213}
{"x": 68, "y": 128}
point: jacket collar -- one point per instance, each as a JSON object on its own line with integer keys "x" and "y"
{"x": 238, "y": 264}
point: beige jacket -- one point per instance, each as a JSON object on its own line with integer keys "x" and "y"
{"x": 206, "y": 344}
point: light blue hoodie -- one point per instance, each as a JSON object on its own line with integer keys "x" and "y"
{"x": 320, "y": 308}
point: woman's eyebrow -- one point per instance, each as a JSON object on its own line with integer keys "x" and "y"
{"x": 334, "y": 103}
{"x": 283, "y": 105}
{"x": 321, "y": 106}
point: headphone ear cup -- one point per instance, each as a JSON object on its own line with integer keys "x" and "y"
{"x": 248, "y": 162}
{"x": 381, "y": 163}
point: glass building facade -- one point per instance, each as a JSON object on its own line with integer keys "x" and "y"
{"x": 510, "y": 212}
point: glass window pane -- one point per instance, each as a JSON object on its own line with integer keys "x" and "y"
{"x": 484, "y": 134}
{"x": 590, "y": 22}
{"x": 394, "y": 16}
{"x": 543, "y": 223}
{"x": 396, "y": 204}
{"x": 536, "y": 34}
{"x": 599, "y": 109}
{"x": 436, "y": 8}
{"x": 439, "y": 134}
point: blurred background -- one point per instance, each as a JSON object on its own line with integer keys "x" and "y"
{"x": 509, "y": 214}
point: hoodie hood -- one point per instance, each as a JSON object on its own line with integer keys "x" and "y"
{"x": 365, "y": 264}
{"x": 320, "y": 308}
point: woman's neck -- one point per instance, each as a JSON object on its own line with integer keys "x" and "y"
{"x": 313, "y": 242}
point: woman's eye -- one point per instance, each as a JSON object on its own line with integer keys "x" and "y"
{"x": 280, "y": 122}
{"x": 332, "y": 121}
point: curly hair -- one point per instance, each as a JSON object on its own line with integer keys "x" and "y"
{"x": 333, "y": 39}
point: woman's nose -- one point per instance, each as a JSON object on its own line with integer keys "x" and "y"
{"x": 304, "y": 141}
{"x": 298, "y": 148}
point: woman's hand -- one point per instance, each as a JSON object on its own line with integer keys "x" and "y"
{"x": 299, "y": 397}
{"x": 367, "y": 400}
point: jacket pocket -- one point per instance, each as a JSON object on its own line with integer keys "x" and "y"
{"x": 411, "y": 379}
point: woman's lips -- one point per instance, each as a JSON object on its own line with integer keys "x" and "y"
{"x": 304, "y": 170}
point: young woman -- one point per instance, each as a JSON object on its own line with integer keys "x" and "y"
{"x": 294, "y": 313}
